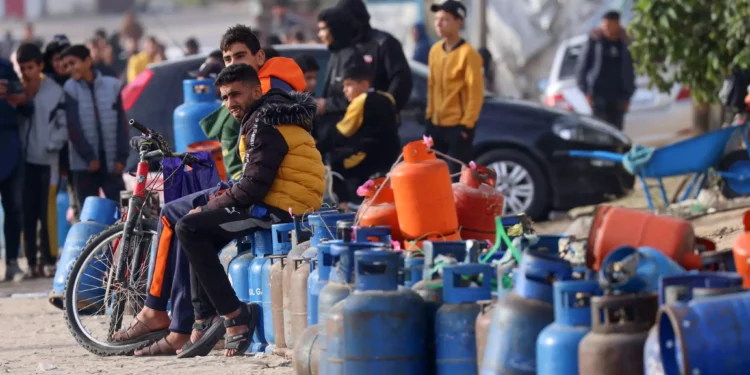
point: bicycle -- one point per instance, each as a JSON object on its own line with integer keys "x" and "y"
{"x": 126, "y": 248}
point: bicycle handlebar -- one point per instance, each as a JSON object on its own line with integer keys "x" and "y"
{"x": 138, "y": 126}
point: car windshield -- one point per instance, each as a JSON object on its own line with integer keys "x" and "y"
{"x": 569, "y": 62}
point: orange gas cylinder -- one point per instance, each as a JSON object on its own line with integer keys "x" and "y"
{"x": 741, "y": 252}
{"x": 215, "y": 148}
{"x": 614, "y": 227}
{"x": 423, "y": 194}
{"x": 477, "y": 203}
{"x": 379, "y": 210}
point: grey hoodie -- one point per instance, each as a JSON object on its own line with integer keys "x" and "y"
{"x": 45, "y": 132}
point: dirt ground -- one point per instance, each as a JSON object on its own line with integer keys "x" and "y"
{"x": 34, "y": 338}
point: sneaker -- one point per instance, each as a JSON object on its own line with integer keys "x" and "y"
{"x": 49, "y": 271}
{"x": 13, "y": 272}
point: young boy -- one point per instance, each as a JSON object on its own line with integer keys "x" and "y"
{"x": 365, "y": 142}
{"x": 310, "y": 68}
{"x": 43, "y": 134}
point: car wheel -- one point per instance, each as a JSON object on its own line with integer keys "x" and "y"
{"x": 520, "y": 180}
{"x": 735, "y": 162}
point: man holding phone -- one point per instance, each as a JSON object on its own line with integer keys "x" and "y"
{"x": 11, "y": 177}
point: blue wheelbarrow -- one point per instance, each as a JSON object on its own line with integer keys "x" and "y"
{"x": 702, "y": 155}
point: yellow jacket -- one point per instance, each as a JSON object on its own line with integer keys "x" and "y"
{"x": 136, "y": 64}
{"x": 455, "y": 86}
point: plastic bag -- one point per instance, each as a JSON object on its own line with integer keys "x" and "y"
{"x": 180, "y": 180}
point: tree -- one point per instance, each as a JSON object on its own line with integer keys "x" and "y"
{"x": 694, "y": 42}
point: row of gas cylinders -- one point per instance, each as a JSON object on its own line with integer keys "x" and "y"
{"x": 344, "y": 303}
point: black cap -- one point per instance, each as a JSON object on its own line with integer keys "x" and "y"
{"x": 453, "y": 7}
{"x": 209, "y": 69}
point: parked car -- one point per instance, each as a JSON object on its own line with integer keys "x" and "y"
{"x": 522, "y": 141}
{"x": 654, "y": 118}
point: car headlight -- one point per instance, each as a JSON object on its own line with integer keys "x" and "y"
{"x": 589, "y": 130}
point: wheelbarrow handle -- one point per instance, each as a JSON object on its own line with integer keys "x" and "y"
{"x": 604, "y": 155}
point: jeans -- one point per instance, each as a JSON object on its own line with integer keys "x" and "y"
{"x": 35, "y": 201}
{"x": 11, "y": 189}
{"x": 87, "y": 184}
{"x": 610, "y": 110}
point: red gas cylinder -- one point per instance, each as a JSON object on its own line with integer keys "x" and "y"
{"x": 741, "y": 251}
{"x": 423, "y": 194}
{"x": 477, "y": 203}
{"x": 380, "y": 209}
{"x": 613, "y": 227}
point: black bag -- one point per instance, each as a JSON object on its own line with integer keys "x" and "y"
{"x": 734, "y": 90}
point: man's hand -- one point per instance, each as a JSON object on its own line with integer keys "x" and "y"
{"x": 119, "y": 167}
{"x": 17, "y": 99}
{"x": 194, "y": 211}
{"x": 321, "y": 105}
{"x": 590, "y": 100}
{"x": 94, "y": 166}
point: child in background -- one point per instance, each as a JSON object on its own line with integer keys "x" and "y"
{"x": 365, "y": 142}
{"x": 310, "y": 68}
{"x": 43, "y": 134}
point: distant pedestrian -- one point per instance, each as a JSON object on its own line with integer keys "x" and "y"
{"x": 139, "y": 62}
{"x": 43, "y": 132}
{"x": 282, "y": 19}
{"x": 11, "y": 176}
{"x": 605, "y": 71}
{"x": 455, "y": 86}
{"x": 310, "y": 68}
{"x": 96, "y": 125}
{"x": 192, "y": 47}
{"x": 101, "y": 56}
{"x": 295, "y": 35}
{"x": 382, "y": 52}
{"x": 30, "y": 37}
{"x": 422, "y": 43}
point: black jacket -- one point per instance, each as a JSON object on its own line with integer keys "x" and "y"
{"x": 392, "y": 71}
{"x": 343, "y": 55}
{"x": 590, "y": 72}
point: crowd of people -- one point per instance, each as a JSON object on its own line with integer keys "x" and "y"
{"x": 276, "y": 139}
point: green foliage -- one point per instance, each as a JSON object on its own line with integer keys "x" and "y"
{"x": 702, "y": 40}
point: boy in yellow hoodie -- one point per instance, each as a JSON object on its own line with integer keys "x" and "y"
{"x": 455, "y": 86}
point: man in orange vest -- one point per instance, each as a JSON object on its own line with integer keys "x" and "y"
{"x": 171, "y": 278}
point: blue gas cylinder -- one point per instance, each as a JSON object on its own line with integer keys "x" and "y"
{"x": 455, "y": 335}
{"x": 384, "y": 328}
{"x": 323, "y": 225}
{"x": 97, "y": 214}
{"x": 260, "y": 264}
{"x": 77, "y": 238}
{"x": 522, "y": 314}
{"x": 321, "y": 271}
{"x": 62, "y": 203}
{"x": 412, "y": 270}
{"x": 683, "y": 289}
{"x": 630, "y": 270}
{"x": 239, "y": 276}
{"x": 338, "y": 286}
{"x": 557, "y": 345}
{"x": 100, "y": 210}
{"x": 200, "y": 101}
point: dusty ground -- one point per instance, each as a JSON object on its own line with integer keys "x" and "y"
{"x": 34, "y": 338}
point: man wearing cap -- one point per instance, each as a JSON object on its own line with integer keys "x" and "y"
{"x": 455, "y": 85}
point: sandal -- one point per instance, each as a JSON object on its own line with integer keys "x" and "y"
{"x": 159, "y": 348}
{"x": 213, "y": 330}
{"x": 137, "y": 331}
{"x": 248, "y": 317}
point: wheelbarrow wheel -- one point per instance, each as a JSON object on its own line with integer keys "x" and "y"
{"x": 736, "y": 162}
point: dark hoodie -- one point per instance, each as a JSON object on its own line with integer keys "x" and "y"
{"x": 383, "y": 51}
{"x": 282, "y": 170}
{"x": 343, "y": 55}
{"x": 605, "y": 69}
{"x": 423, "y": 45}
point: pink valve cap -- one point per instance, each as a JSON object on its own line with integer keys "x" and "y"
{"x": 473, "y": 165}
{"x": 427, "y": 141}
{"x": 364, "y": 188}
{"x": 291, "y": 213}
{"x": 396, "y": 245}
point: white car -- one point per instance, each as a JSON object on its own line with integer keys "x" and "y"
{"x": 655, "y": 118}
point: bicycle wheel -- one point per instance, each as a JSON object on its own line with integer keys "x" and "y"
{"x": 91, "y": 294}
